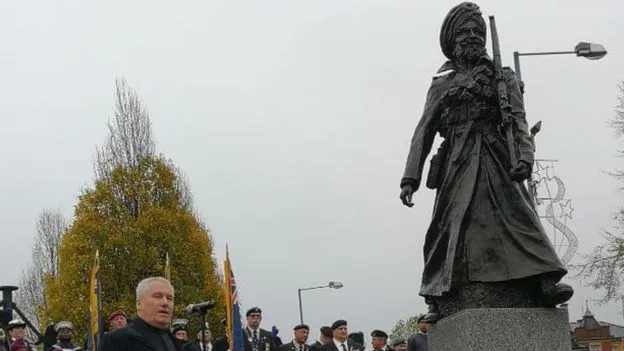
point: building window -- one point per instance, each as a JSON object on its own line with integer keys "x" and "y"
{"x": 594, "y": 348}
{"x": 615, "y": 348}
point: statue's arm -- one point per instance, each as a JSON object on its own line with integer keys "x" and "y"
{"x": 423, "y": 137}
{"x": 522, "y": 136}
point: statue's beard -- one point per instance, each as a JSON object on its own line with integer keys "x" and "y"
{"x": 469, "y": 51}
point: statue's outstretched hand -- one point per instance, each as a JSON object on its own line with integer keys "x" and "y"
{"x": 521, "y": 171}
{"x": 406, "y": 195}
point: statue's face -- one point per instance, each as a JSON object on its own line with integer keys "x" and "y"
{"x": 469, "y": 41}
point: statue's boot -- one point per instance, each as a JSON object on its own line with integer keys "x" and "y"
{"x": 433, "y": 313}
{"x": 553, "y": 293}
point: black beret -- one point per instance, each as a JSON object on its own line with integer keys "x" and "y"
{"x": 327, "y": 331}
{"x": 339, "y": 323}
{"x": 301, "y": 326}
{"x": 398, "y": 342}
{"x": 253, "y": 310}
{"x": 379, "y": 334}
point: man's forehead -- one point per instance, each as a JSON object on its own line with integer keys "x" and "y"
{"x": 159, "y": 287}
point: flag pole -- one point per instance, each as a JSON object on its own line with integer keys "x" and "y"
{"x": 227, "y": 271}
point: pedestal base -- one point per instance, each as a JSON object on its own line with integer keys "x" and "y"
{"x": 502, "y": 329}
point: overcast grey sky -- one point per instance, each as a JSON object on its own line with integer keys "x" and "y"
{"x": 292, "y": 120}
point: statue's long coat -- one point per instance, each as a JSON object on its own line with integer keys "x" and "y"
{"x": 484, "y": 227}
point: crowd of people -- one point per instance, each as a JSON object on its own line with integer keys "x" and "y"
{"x": 154, "y": 329}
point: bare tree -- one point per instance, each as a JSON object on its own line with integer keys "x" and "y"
{"x": 129, "y": 141}
{"x": 49, "y": 230}
{"x": 603, "y": 268}
{"x": 129, "y": 135}
{"x": 50, "y": 227}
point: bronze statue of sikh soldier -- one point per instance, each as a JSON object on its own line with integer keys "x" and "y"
{"x": 485, "y": 246}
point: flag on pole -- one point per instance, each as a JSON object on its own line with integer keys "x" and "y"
{"x": 94, "y": 305}
{"x": 167, "y": 268}
{"x": 232, "y": 307}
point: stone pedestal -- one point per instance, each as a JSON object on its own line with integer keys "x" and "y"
{"x": 502, "y": 329}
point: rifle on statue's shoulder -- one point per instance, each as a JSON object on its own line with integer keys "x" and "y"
{"x": 503, "y": 98}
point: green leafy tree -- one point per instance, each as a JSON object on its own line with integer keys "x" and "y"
{"x": 137, "y": 211}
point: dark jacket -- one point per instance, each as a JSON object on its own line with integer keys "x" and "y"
{"x": 221, "y": 343}
{"x": 315, "y": 346}
{"x": 133, "y": 338}
{"x": 417, "y": 342}
{"x": 265, "y": 340}
{"x": 291, "y": 347}
{"x": 351, "y": 346}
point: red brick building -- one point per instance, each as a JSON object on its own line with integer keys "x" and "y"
{"x": 589, "y": 334}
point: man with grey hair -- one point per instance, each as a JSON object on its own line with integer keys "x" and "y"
{"x": 150, "y": 330}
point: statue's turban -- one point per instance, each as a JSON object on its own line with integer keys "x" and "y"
{"x": 460, "y": 14}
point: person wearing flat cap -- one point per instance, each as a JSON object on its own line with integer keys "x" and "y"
{"x": 340, "y": 340}
{"x": 380, "y": 340}
{"x": 256, "y": 338}
{"x": 64, "y": 333}
{"x": 399, "y": 345}
{"x": 483, "y": 221}
{"x": 300, "y": 337}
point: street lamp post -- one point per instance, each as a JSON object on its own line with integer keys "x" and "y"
{"x": 331, "y": 285}
{"x": 590, "y": 51}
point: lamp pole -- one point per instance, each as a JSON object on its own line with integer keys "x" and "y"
{"x": 331, "y": 285}
{"x": 590, "y": 51}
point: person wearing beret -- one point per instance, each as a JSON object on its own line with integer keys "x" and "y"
{"x": 325, "y": 337}
{"x": 399, "y": 345}
{"x": 117, "y": 320}
{"x": 340, "y": 340}
{"x": 256, "y": 338}
{"x": 418, "y": 341}
{"x": 380, "y": 340}
{"x": 300, "y": 337}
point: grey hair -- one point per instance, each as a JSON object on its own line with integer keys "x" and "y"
{"x": 144, "y": 285}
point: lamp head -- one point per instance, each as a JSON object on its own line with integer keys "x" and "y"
{"x": 591, "y": 51}
{"x": 335, "y": 285}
